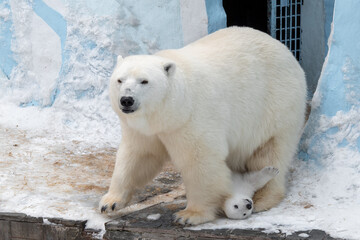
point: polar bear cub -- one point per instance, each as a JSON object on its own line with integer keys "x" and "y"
{"x": 240, "y": 205}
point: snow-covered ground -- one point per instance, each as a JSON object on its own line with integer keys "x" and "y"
{"x": 53, "y": 172}
{"x": 59, "y": 172}
{"x": 323, "y": 197}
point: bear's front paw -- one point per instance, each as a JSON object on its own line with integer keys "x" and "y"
{"x": 111, "y": 203}
{"x": 193, "y": 217}
{"x": 271, "y": 171}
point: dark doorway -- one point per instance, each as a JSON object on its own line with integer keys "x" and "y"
{"x": 278, "y": 18}
{"x": 248, "y": 13}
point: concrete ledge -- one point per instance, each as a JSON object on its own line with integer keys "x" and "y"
{"x": 136, "y": 225}
{"x": 20, "y": 226}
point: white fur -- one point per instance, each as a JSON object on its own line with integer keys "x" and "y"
{"x": 240, "y": 204}
{"x": 233, "y": 100}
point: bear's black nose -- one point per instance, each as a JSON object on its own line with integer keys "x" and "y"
{"x": 127, "y": 101}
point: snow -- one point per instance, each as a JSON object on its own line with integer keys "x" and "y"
{"x": 303, "y": 235}
{"x": 5, "y": 14}
{"x": 47, "y": 222}
{"x": 315, "y": 200}
{"x": 58, "y": 134}
{"x": 51, "y": 175}
{"x": 154, "y": 217}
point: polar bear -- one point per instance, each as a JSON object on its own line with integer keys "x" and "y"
{"x": 240, "y": 204}
{"x": 231, "y": 101}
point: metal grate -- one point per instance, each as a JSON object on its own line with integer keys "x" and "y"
{"x": 284, "y": 23}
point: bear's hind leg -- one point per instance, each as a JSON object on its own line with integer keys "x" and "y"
{"x": 277, "y": 152}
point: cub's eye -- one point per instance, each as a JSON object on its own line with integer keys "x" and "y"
{"x": 144, "y": 82}
{"x": 119, "y": 81}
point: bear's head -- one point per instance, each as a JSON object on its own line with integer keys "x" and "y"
{"x": 140, "y": 83}
{"x": 238, "y": 207}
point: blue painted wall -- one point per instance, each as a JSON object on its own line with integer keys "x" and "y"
{"x": 7, "y": 62}
{"x": 91, "y": 35}
{"x": 216, "y": 15}
{"x": 57, "y": 22}
{"x": 329, "y": 10}
{"x": 334, "y": 119}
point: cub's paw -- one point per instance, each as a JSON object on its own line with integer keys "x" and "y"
{"x": 193, "y": 217}
{"x": 270, "y": 171}
{"x": 111, "y": 203}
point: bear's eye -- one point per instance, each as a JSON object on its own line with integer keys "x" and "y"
{"x": 236, "y": 206}
{"x": 119, "y": 81}
{"x": 144, "y": 82}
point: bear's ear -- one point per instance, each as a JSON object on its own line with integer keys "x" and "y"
{"x": 119, "y": 59}
{"x": 169, "y": 68}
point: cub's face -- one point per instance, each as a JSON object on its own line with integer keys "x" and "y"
{"x": 238, "y": 207}
{"x": 140, "y": 84}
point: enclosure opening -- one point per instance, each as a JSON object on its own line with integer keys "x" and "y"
{"x": 284, "y": 23}
{"x": 279, "y": 18}
{"x": 247, "y": 13}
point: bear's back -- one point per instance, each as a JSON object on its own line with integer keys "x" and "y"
{"x": 240, "y": 77}
{"x": 237, "y": 41}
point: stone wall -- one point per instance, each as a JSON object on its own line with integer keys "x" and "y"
{"x": 21, "y": 226}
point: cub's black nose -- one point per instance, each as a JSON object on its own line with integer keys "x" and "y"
{"x": 127, "y": 101}
{"x": 249, "y": 205}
